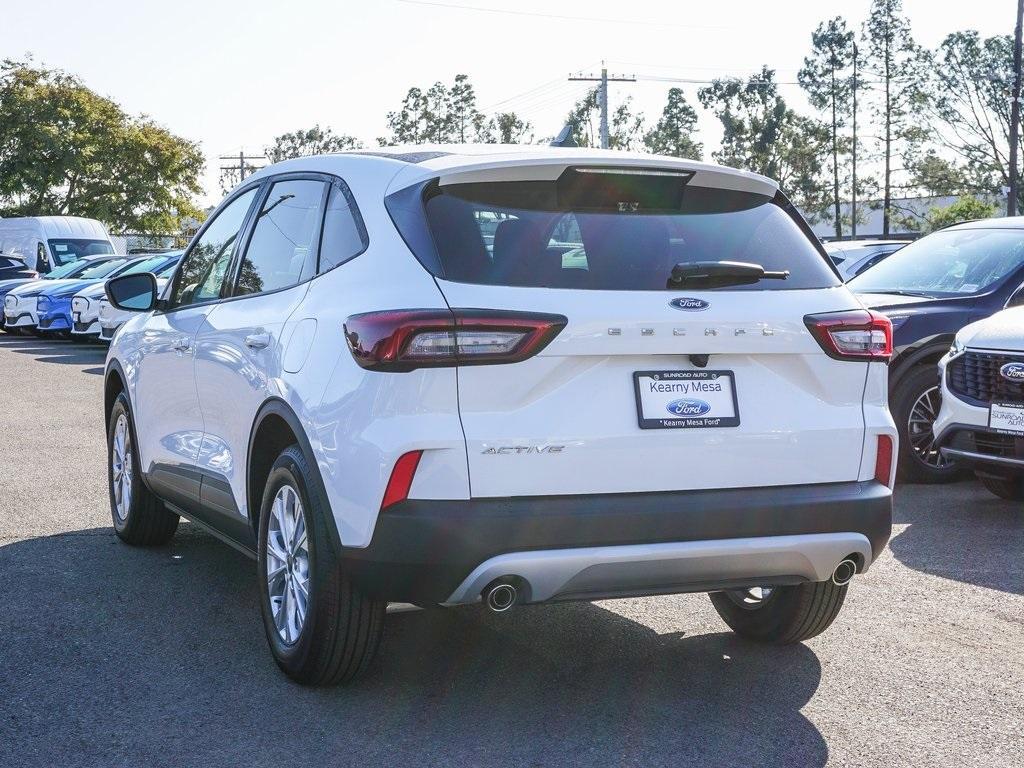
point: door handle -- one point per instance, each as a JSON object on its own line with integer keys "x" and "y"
{"x": 257, "y": 340}
{"x": 182, "y": 344}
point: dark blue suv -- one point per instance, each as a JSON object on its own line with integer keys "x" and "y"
{"x": 930, "y": 289}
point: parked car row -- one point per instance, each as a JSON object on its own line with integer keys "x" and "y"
{"x": 68, "y": 301}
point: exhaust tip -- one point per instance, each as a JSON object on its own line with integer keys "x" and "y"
{"x": 844, "y": 573}
{"x": 500, "y": 597}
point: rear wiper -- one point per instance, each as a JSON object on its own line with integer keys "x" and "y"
{"x": 715, "y": 274}
{"x": 900, "y": 292}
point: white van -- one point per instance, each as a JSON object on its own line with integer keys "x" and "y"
{"x": 45, "y": 242}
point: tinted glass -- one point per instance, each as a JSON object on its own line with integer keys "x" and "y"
{"x": 70, "y": 269}
{"x": 954, "y": 262}
{"x": 132, "y": 291}
{"x": 146, "y": 265}
{"x": 203, "y": 269}
{"x": 613, "y": 231}
{"x": 66, "y": 249}
{"x": 282, "y": 250}
{"x": 343, "y": 236}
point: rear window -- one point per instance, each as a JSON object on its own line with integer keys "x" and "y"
{"x": 611, "y": 230}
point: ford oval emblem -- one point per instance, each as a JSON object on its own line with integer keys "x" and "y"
{"x": 689, "y": 305}
{"x": 1012, "y": 371}
{"x": 688, "y": 406}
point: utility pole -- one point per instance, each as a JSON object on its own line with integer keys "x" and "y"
{"x": 602, "y": 94}
{"x": 853, "y": 205}
{"x": 1011, "y": 198}
{"x": 243, "y": 163}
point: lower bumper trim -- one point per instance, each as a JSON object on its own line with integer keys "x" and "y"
{"x": 971, "y": 457}
{"x": 588, "y": 573}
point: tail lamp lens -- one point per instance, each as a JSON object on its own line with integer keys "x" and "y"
{"x": 883, "y": 460}
{"x": 403, "y": 340}
{"x": 855, "y": 335}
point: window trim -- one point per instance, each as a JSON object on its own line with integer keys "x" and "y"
{"x": 173, "y": 287}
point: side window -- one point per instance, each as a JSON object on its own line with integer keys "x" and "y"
{"x": 203, "y": 268}
{"x": 282, "y": 250}
{"x": 344, "y": 236}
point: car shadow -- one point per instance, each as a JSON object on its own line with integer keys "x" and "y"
{"x": 110, "y": 651}
{"x": 961, "y": 531}
{"x": 58, "y": 351}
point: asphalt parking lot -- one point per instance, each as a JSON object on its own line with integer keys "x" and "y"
{"x": 118, "y": 656}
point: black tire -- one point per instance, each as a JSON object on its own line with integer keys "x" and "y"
{"x": 788, "y": 615}
{"x": 146, "y": 521}
{"x": 343, "y": 625}
{"x": 1009, "y": 488}
{"x": 911, "y": 466}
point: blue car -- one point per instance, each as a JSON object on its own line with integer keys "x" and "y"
{"x": 53, "y": 303}
{"x": 67, "y": 271}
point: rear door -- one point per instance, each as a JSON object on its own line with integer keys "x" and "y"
{"x": 648, "y": 387}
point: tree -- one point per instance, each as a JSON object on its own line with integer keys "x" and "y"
{"x": 826, "y": 77}
{"x": 313, "y": 141}
{"x": 625, "y": 128}
{"x": 900, "y": 66}
{"x": 439, "y": 115}
{"x": 965, "y": 209}
{"x": 511, "y": 129}
{"x": 970, "y": 106}
{"x": 762, "y": 134}
{"x": 673, "y": 133}
{"x": 64, "y": 150}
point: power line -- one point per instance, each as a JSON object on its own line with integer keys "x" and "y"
{"x": 559, "y": 16}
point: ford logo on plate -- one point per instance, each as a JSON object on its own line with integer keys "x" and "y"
{"x": 688, "y": 407}
{"x": 689, "y": 305}
{"x": 1012, "y": 371}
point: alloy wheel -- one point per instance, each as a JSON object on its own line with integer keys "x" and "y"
{"x": 920, "y": 430}
{"x": 121, "y": 468}
{"x": 287, "y": 568}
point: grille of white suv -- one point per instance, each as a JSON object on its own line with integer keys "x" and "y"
{"x": 975, "y": 377}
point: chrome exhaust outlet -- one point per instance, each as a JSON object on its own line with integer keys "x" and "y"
{"x": 844, "y": 573}
{"x": 500, "y": 597}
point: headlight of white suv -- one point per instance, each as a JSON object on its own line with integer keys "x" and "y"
{"x": 957, "y": 348}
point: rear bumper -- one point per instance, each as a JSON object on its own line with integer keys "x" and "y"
{"x": 436, "y": 551}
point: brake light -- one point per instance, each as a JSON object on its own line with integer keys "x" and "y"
{"x": 406, "y": 339}
{"x": 855, "y": 335}
{"x": 401, "y": 479}
{"x": 883, "y": 460}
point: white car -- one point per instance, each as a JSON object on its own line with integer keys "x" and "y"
{"x": 85, "y": 305}
{"x": 981, "y": 420}
{"x": 347, "y": 383}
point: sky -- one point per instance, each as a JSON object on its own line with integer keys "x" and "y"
{"x": 232, "y": 75}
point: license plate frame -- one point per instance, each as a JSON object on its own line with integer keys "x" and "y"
{"x": 1005, "y": 413}
{"x": 707, "y": 420}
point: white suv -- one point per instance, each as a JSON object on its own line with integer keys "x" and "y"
{"x": 981, "y": 420}
{"x": 450, "y": 374}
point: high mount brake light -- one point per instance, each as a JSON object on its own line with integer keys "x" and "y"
{"x": 406, "y": 339}
{"x": 858, "y": 334}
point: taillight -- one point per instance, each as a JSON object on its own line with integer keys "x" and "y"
{"x": 855, "y": 335}
{"x": 883, "y": 459}
{"x": 401, "y": 479}
{"x": 406, "y": 339}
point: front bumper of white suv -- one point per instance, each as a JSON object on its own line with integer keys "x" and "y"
{"x": 971, "y": 382}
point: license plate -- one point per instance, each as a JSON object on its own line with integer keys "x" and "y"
{"x": 1006, "y": 417}
{"x": 686, "y": 399}
{"x": 77, "y": 316}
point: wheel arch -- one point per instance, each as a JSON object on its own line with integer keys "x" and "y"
{"x": 114, "y": 383}
{"x": 930, "y": 353}
{"x": 275, "y": 427}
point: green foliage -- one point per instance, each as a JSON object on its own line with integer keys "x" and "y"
{"x": 64, "y": 150}
{"x": 313, "y": 141}
{"x": 673, "y": 133}
{"x": 827, "y": 78}
{"x": 625, "y": 128}
{"x": 762, "y": 134}
{"x": 900, "y": 69}
{"x": 443, "y": 115}
{"x": 966, "y": 208}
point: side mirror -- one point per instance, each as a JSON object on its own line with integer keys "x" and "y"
{"x": 135, "y": 293}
